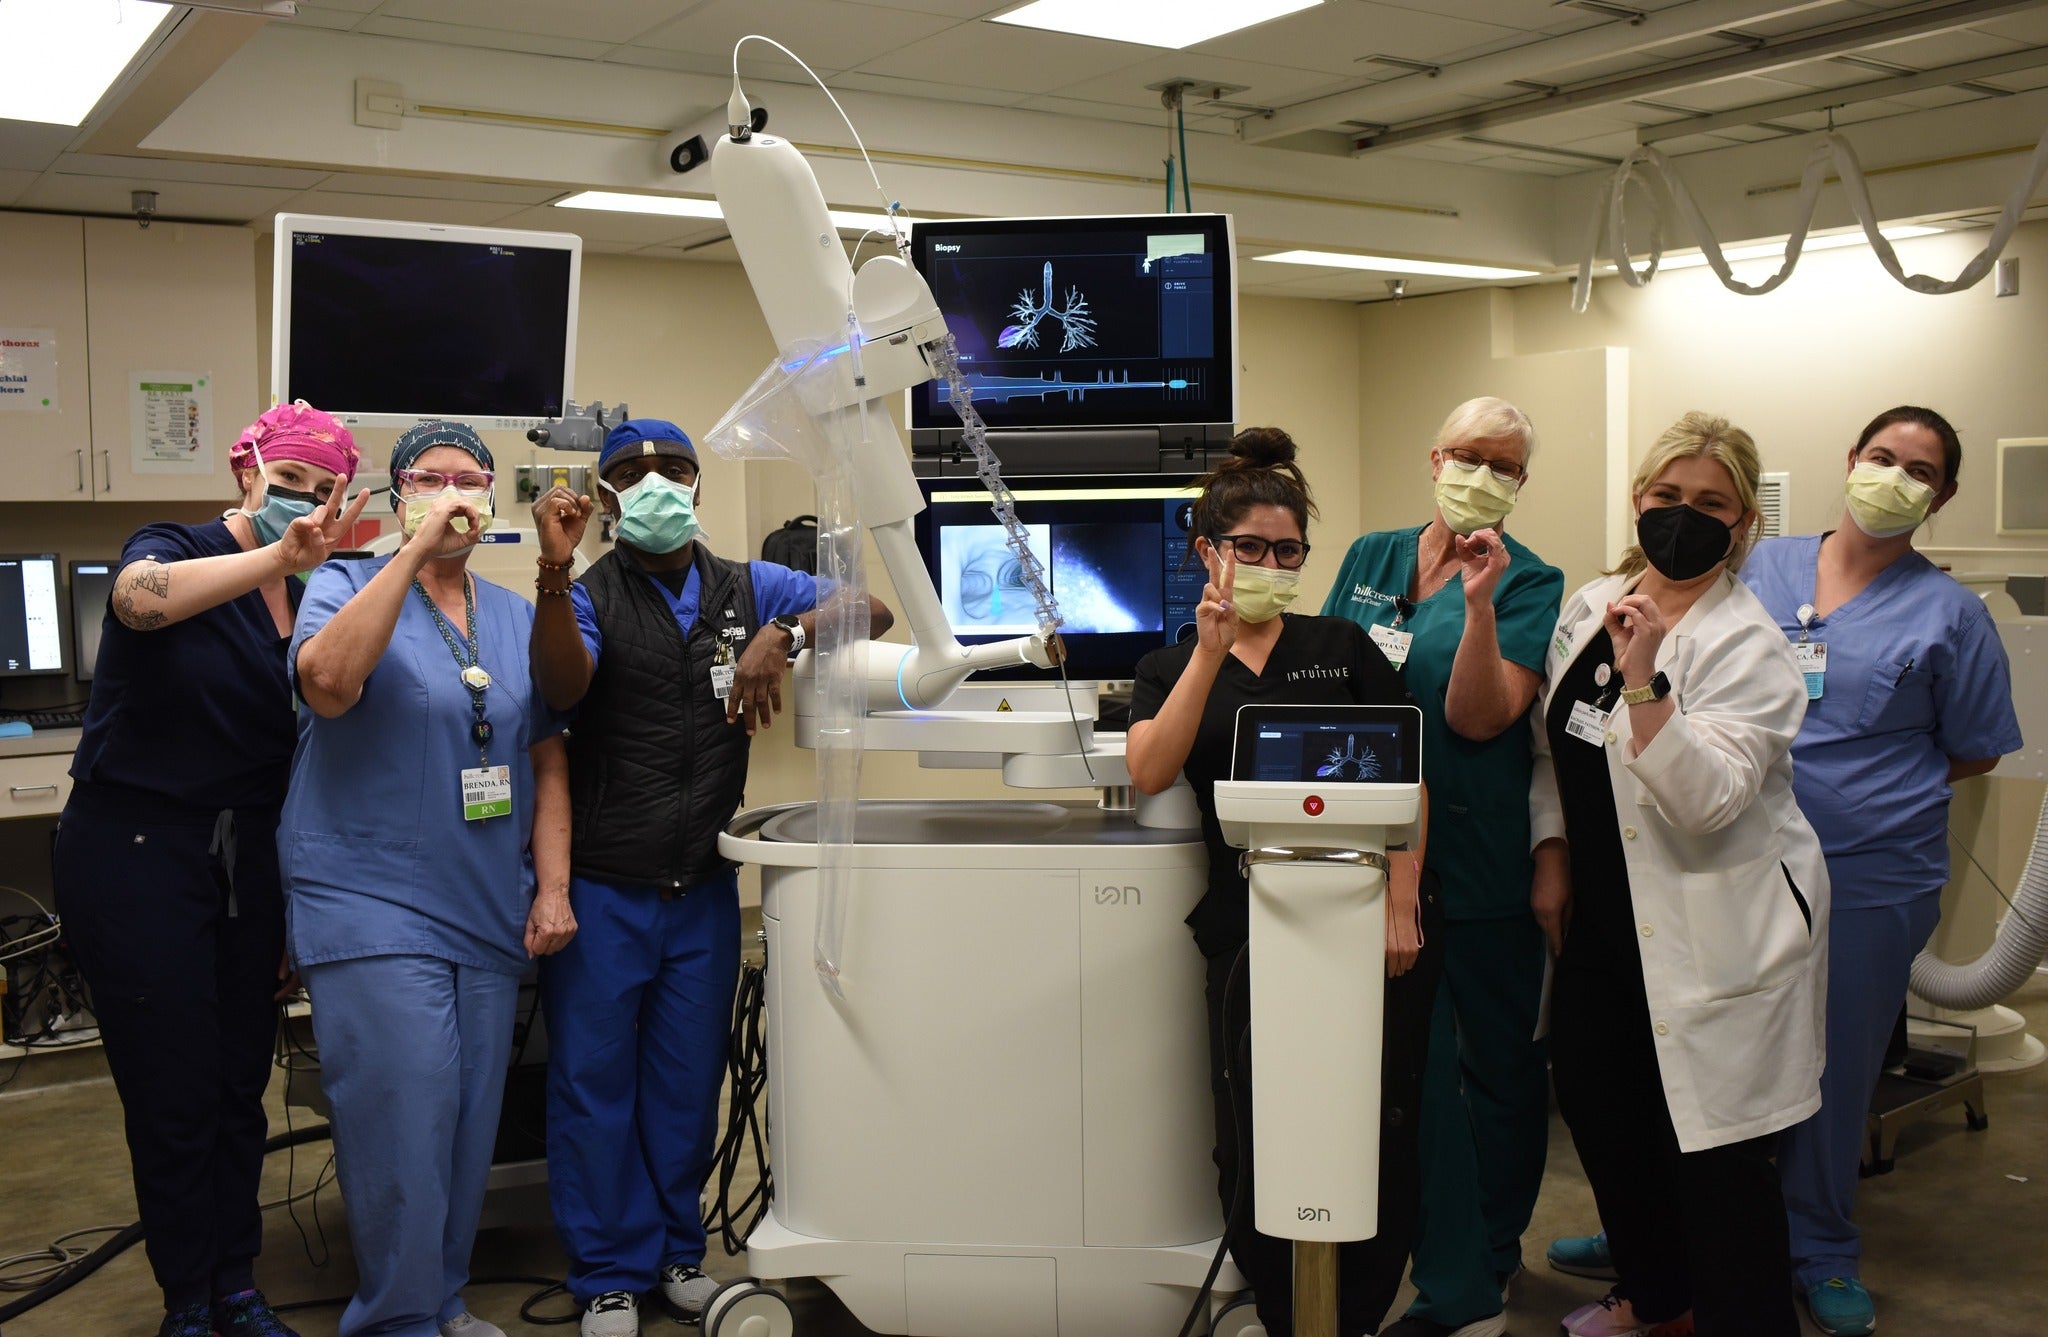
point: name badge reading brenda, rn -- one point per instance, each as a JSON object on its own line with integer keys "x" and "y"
{"x": 1813, "y": 663}
{"x": 1393, "y": 644}
{"x": 486, "y": 792}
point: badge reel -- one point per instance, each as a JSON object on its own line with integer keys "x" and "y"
{"x": 1588, "y": 722}
{"x": 1812, "y": 655}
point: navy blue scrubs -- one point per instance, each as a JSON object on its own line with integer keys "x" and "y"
{"x": 166, "y": 878}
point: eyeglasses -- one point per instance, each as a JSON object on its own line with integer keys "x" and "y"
{"x": 1251, "y": 549}
{"x": 428, "y": 480}
{"x": 1507, "y": 473}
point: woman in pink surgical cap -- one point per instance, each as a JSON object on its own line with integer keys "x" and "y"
{"x": 166, "y": 857}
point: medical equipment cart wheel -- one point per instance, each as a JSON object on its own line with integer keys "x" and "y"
{"x": 1239, "y": 1318}
{"x": 747, "y": 1309}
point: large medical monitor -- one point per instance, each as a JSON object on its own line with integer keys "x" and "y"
{"x": 31, "y": 616}
{"x": 1112, "y": 547}
{"x": 1085, "y": 322}
{"x": 92, "y": 584}
{"x": 385, "y": 324}
{"x": 1328, "y": 745}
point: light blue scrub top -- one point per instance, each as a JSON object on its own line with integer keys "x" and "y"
{"x": 1916, "y": 676}
{"x": 376, "y": 856}
{"x": 778, "y": 591}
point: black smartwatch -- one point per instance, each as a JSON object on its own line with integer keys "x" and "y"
{"x": 789, "y": 623}
{"x": 1656, "y": 689}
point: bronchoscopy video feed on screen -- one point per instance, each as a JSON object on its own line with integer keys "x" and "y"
{"x": 1105, "y": 577}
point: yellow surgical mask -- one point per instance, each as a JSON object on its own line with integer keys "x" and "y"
{"x": 1885, "y": 501}
{"x": 416, "y": 509}
{"x": 1261, "y": 592}
{"x": 1472, "y": 497}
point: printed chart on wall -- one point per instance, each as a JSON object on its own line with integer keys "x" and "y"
{"x": 28, "y": 370}
{"x": 170, "y": 417}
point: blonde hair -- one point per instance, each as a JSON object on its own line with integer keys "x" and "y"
{"x": 1488, "y": 419}
{"x": 1720, "y": 441}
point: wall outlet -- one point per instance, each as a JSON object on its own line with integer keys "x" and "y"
{"x": 2007, "y": 282}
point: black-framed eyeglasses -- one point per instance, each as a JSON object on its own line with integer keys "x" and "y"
{"x": 1507, "y": 473}
{"x": 1251, "y": 549}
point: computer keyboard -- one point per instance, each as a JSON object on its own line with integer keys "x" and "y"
{"x": 64, "y": 717}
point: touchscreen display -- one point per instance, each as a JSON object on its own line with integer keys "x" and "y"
{"x": 1329, "y": 744}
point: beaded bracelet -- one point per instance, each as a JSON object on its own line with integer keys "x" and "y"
{"x": 544, "y": 589}
{"x": 545, "y": 565}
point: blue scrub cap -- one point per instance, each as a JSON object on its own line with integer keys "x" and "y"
{"x": 419, "y": 438}
{"x": 644, "y": 436}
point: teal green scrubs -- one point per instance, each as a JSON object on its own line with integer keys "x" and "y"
{"x": 1485, "y": 1102}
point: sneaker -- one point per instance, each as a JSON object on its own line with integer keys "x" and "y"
{"x": 1842, "y": 1307}
{"x": 467, "y": 1324}
{"x": 613, "y": 1314}
{"x": 1609, "y": 1316}
{"x": 1415, "y": 1325}
{"x": 1582, "y": 1256}
{"x": 191, "y": 1321}
{"x": 687, "y": 1290}
{"x": 247, "y": 1314}
{"x": 1507, "y": 1281}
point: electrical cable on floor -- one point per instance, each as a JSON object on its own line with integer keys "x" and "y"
{"x": 747, "y": 1071}
{"x": 1240, "y": 1096}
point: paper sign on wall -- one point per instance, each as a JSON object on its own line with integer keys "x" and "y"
{"x": 170, "y": 415}
{"x": 28, "y": 370}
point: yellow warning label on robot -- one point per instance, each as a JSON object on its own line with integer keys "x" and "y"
{"x": 1004, "y": 708}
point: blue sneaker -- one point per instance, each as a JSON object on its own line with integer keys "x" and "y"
{"x": 1582, "y": 1256}
{"x": 1841, "y": 1307}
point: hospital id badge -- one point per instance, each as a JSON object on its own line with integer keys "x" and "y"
{"x": 1588, "y": 723}
{"x": 722, "y": 676}
{"x": 1393, "y": 644}
{"x": 486, "y": 792}
{"x": 1813, "y": 665}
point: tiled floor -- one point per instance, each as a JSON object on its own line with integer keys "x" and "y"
{"x": 1957, "y": 1236}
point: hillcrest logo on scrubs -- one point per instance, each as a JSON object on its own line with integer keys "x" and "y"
{"x": 1366, "y": 594}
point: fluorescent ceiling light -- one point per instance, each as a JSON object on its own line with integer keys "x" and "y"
{"x": 1389, "y": 265}
{"x": 1775, "y": 250}
{"x": 682, "y": 206}
{"x": 1168, "y": 23}
{"x": 58, "y": 57}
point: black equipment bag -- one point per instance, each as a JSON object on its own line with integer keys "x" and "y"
{"x": 795, "y": 545}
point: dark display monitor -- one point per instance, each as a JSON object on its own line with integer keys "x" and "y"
{"x": 92, "y": 584}
{"x": 1085, "y": 322}
{"x": 31, "y": 616}
{"x": 387, "y": 324}
{"x": 1328, "y": 745}
{"x": 1112, "y": 547}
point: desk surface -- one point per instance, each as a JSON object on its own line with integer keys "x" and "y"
{"x": 42, "y": 743}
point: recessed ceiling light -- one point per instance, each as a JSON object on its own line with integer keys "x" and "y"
{"x": 1386, "y": 264}
{"x": 58, "y": 57}
{"x": 683, "y": 206}
{"x": 1169, "y": 23}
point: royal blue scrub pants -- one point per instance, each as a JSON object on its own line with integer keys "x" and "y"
{"x": 639, "y": 1009}
{"x": 1870, "y": 955}
{"x": 182, "y": 983}
{"x": 413, "y": 1056}
{"x": 1485, "y": 1118}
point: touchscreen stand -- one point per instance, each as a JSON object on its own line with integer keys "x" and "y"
{"x": 1313, "y": 794}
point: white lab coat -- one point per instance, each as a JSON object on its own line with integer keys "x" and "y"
{"x": 1735, "y": 968}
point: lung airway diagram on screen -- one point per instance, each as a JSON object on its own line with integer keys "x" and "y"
{"x": 1077, "y": 327}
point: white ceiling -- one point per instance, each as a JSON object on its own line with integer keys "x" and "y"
{"x": 1285, "y": 120}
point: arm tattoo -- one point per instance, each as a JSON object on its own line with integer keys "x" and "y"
{"x": 152, "y": 578}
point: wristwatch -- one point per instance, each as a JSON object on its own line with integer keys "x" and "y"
{"x": 795, "y": 629}
{"x": 1656, "y": 689}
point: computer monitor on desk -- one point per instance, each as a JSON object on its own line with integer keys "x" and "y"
{"x": 31, "y": 619}
{"x": 92, "y": 583}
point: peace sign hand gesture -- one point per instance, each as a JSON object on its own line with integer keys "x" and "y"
{"x": 1216, "y": 615}
{"x": 312, "y": 539}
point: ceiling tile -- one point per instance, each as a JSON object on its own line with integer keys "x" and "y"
{"x": 468, "y": 213}
{"x": 1823, "y": 74}
{"x": 2022, "y": 80}
{"x": 12, "y": 183}
{"x": 340, "y": 20}
{"x": 613, "y": 21}
{"x": 1534, "y": 164}
{"x": 2026, "y": 29}
{"x": 993, "y": 56}
{"x": 1566, "y": 128}
{"x": 696, "y": 62}
{"x": 357, "y": 7}
{"x": 490, "y": 39}
{"x": 615, "y": 229}
{"x": 29, "y": 147}
{"x": 943, "y": 92}
{"x": 183, "y": 199}
{"x": 1264, "y": 85}
{"x": 1441, "y": 150}
{"x": 1332, "y": 37}
{"x": 829, "y": 36}
{"x": 179, "y": 169}
{"x": 1527, "y": 15}
{"x": 1943, "y": 48}
{"x": 1614, "y": 144}
{"x": 1928, "y": 98}
{"x": 438, "y": 187}
{"x": 1726, "y": 94}
{"x": 959, "y": 9}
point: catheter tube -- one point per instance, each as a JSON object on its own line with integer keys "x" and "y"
{"x": 2015, "y": 952}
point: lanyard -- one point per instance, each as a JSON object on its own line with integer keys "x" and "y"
{"x": 474, "y": 678}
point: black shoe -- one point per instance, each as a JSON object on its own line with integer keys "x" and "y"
{"x": 247, "y": 1314}
{"x": 191, "y": 1321}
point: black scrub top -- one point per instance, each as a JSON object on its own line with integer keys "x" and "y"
{"x": 1603, "y": 918}
{"x": 198, "y": 713}
{"x": 1317, "y": 661}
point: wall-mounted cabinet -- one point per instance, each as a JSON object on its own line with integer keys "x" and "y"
{"x": 122, "y": 301}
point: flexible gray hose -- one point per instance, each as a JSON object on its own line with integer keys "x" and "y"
{"x": 2018, "y": 948}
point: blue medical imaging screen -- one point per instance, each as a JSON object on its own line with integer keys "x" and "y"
{"x": 1113, "y": 549}
{"x": 1066, "y": 322}
{"x": 1329, "y": 744}
{"x": 406, "y": 325}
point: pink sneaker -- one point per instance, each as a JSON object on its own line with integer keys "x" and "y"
{"x": 1610, "y": 1316}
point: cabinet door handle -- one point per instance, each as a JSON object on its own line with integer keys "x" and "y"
{"x": 107, "y": 467}
{"x": 24, "y": 791}
{"x": 81, "y": 469}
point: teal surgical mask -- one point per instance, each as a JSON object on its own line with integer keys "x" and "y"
{"x": 656, "y": 515}
{"x": 281, "y": 506}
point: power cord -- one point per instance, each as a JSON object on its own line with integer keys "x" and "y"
{"x": 747, "y": 1072}
{"x": 1240, "y": 1052}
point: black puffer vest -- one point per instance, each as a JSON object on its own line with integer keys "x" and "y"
{"x": 655, "y": 772}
